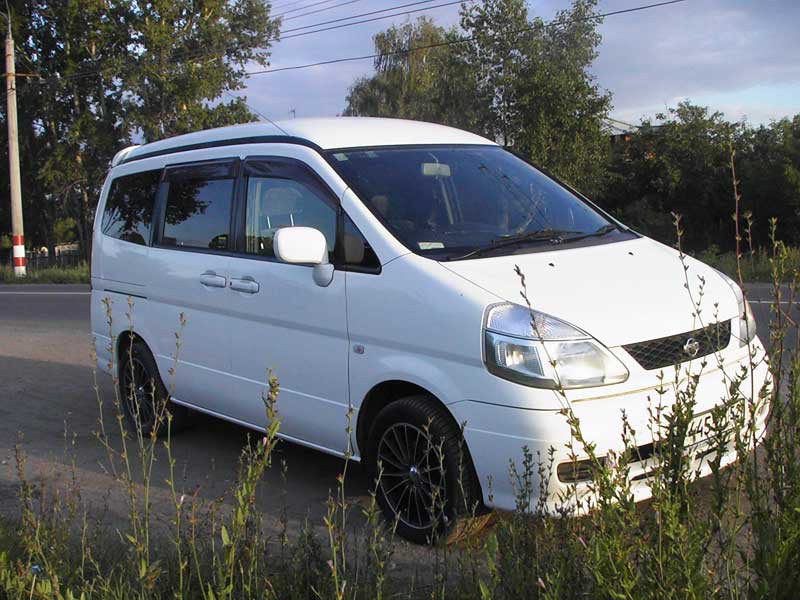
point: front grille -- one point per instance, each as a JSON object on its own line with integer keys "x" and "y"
{"x": 669, "y": 351}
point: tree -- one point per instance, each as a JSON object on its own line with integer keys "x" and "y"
{"x": 432, "y": 84}
{"x": 768, "y": 165}
{"x": 64, "y": 230}
{"x": 183, "y": 54}
{"x": 498, "y": 52}
{"x": 680, "y": 164}
{"x": 522, "y": 82}
{"x": 113, "y": 69}
{"x": 562, "y": 107}
{"x": 405, "y": 83}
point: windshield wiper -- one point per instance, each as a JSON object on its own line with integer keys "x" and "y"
{"x": 554, "y": 236}
{"x": 605, "y": 229}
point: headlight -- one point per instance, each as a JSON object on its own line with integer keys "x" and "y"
{"x": 538, "y": 350}
{"x": 747, "y": 321}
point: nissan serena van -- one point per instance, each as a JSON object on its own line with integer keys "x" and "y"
{"x": 371, "y": 265}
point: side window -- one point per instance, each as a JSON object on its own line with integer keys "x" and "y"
{"x": 128, "y": 213}
{"x": 275, "y": 202}
{"x": 357, "y": 251}
{"x": 198, "y": 208}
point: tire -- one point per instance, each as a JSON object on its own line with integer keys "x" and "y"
{"x": 421, "y": 489}
{"x": 143, "y": 394}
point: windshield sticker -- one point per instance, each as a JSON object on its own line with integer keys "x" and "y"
{"x": 340, "y": 156}
{"x": 430, "y": 245}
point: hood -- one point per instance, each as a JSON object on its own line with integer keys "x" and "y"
{"x": 619, "y": 293}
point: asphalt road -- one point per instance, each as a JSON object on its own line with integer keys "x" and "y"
{"x": 48, "y": 403}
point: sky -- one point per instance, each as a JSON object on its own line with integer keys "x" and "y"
{"x": 739, "y": 57}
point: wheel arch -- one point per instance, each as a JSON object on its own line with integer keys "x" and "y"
{"x": 125, "y": 341}
{"x": 385, "y": 393}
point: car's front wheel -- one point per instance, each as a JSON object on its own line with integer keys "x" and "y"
{"x": 425, "y": 477}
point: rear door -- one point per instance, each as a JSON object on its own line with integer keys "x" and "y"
{"x": 190, "y": 273}
{"x": 280, "y": 318}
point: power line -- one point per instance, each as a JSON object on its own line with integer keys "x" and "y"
{"x": 306, "y": 6}
{"x": 205, "y": 54}
{"x": 319, "y": 10}
{"x": 285, "y": 4}
{"x": 407, "y": 12}
{"x": 462, "y": 40}
{"x": 366, "y": 14}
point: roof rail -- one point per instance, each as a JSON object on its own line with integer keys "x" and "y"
{"x": 119, "y": 156}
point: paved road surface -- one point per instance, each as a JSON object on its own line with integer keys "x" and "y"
{"x": 46, "y": 391}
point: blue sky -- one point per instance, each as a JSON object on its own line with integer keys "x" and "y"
{"x": 739, "y": 57}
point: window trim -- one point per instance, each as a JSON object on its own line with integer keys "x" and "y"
{"x": 163, "y": 195}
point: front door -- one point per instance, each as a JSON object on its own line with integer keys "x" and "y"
{"x": 280, "y": 319}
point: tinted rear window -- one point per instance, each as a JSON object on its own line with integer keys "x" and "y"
{"x": 128, "y": 214}
{"x": 198, "y": 211}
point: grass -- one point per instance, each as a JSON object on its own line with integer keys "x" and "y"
{"x": 756, "y": 264}
{"x": 76, "y": 274}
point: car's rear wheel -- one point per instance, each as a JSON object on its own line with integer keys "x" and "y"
{"x": 143, "y": 395}
{"x": 425, "y": 477}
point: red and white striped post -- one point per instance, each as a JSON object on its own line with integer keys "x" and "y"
{"x": 17, "y": 231}
{"x": 20, "y": 266}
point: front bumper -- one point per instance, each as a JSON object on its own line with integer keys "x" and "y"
{"x": 499, "y": 437}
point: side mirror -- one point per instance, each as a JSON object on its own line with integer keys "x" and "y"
{"x": 304, "y": 246}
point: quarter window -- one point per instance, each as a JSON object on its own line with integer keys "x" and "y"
{"x": 358, "y": 253}
{"x": 198, "y": 209}
{"x": 276, "y": 202}
{"x": 128, "y": 213}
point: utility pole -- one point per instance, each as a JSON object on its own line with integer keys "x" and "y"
{"x": 17, "y": 231}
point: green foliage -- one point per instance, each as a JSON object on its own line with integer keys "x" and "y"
{"x": 534, "y": 88}
{"x": 113, "y": 69}
{"x": 406, "y": 83}
{"x": 64, "y": 230}
{"x": 517, "y": 80}
{"x": 755, "y": 265}
{"x": 768, "y": 163}
{"x": 681, "y": 164}
{"x": 186, "y": 55}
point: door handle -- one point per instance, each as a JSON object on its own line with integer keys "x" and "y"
{"x": 245, "y": 284}
{"x": 211, "y": 279}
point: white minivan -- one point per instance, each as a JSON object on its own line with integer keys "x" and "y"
{"x": 370, "y": 263}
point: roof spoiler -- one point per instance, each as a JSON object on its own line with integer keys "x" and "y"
{"x": 122, "y": 154}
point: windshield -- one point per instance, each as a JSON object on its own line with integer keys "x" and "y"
{"x": 451, "y": 202}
